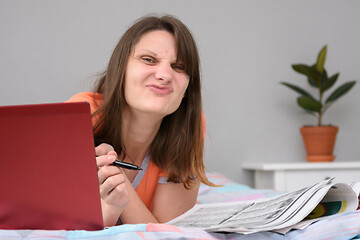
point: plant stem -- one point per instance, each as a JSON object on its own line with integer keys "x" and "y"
{"x": 319, "y": 118}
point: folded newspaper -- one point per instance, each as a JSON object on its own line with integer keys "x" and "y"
{"x": 280, "y": 213}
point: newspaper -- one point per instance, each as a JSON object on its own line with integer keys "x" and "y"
{"x": 275, "y": 213}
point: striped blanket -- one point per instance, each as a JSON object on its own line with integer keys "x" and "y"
{"x": 338, "y": 227}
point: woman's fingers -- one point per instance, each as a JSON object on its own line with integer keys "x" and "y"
{"x": 111, "y": 183}
{"x": 105, "y": 155}
{"x": 103, "y": 149}
{"x": 113, "y": 190}
{"x": 119, "y": 196}
{"x": 112, "y": 186}
{"x": 106, "y": 172}
{"x": 105, "y": 160}
{"x": 112, "y": 179}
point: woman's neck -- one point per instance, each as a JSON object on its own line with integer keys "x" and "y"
{"x": 138, "y": 132}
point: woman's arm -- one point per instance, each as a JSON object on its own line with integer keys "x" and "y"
{"x": 171, "y": 200}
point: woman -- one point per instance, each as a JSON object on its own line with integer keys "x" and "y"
{"x": 147, "y": 107}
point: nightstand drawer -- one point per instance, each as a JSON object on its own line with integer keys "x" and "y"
{"x": 293, "y": 176}
{"x": 298, "y": 179}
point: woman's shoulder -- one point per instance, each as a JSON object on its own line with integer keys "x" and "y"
{"x": 94, "y": 99}
{"x": 85, "y": 97}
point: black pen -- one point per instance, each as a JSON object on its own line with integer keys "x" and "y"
{"x": 119, "y": 163}
{"x": 126, "y": 165}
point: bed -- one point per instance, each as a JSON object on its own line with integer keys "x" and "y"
{"x": 339, "y": 227}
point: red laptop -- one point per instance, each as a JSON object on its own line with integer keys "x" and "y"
{"x": 48, "y": 174}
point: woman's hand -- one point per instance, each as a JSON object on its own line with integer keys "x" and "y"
{"x": 113, "y": 191}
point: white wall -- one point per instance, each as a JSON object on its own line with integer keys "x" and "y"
{"x": 50, "y": 50}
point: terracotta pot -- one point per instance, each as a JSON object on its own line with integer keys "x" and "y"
{"x": 319, "y": 142}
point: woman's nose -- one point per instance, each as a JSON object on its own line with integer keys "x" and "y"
{"x": 164, "y": 72}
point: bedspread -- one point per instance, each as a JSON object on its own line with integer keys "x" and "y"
{"x": 338, "y": 227}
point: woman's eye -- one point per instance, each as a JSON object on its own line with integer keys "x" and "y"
{"x": 148, "y": 60}
{"x": 178, "y": 67}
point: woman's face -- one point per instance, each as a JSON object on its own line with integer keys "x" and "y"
{"x": 154, "y": 81}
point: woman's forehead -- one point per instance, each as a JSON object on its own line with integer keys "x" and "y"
{"x": 157, "y": 42}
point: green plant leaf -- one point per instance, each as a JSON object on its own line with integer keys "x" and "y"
{"x": 309, "y": 104}
{"x": 311, "y": 81}
{"x": 340, "y": 91}
{"x": 324, "y": 80}
{"x": 297, "y": 89}
{"x": 331, "y": 81}
{"x": 320, "y": 63}
{"x": 310, "y": 72}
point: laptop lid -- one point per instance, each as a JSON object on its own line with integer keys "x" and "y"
{"x": 48, "y": 173}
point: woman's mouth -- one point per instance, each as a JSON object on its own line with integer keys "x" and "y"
{"x": 160, "y": 90}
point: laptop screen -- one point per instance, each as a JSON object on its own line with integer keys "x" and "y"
{"x": 48, "y": 174}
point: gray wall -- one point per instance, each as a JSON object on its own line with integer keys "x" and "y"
{"x": 50, "y": 50}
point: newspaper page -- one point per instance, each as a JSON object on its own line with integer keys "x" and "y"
{"x": 252, "y": 216}
{"x": 339, "y": 199}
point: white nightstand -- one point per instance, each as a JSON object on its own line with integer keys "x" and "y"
{"x": 293, "y": 176}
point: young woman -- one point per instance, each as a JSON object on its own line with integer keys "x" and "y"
{"x": 147, "y": 109}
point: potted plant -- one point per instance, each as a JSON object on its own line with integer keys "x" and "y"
{"x": 319, "y": 140}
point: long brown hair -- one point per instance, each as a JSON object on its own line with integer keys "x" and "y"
{"x": 179, "y": 144}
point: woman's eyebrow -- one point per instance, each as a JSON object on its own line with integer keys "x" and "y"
{"x": 142, "y": 51}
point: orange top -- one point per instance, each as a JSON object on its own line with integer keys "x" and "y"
{"x": 147, "y": 186}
